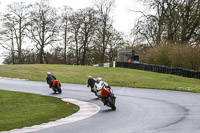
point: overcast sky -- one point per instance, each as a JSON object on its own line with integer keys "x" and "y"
{"x": 123, "y": 18}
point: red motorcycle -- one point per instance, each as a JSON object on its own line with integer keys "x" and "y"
{"x": 56, "y": 86}
{"x": 108, "y": 98}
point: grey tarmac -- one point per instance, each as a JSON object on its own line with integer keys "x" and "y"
{"x": 138, "y": 110}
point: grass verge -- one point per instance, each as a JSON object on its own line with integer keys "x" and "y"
{"x": 114, "y": 76}
{"x": 18, "y": 110}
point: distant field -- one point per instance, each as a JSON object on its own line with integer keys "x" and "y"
{"x": 114, "y": 76}
{"x": 19, "y": 109}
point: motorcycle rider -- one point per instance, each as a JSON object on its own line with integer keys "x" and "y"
{"x": 99, "y": 80}
{"x": 106, "y": 84}
{"x": 50, "y": 78}
{"x": 90, "y": 83}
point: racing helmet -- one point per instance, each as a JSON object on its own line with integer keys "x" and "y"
{"x": 48, "y": 73}
{"x": 89, "y": 77}
{"x": 98, "y": 80}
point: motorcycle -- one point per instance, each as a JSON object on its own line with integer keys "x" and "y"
{"x": 56, "y": 86}
{"x": 106, "y": 96}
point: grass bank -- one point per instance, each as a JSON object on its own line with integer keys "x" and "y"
{"x": 18, "y": 110}
{"x": 114, "y": 76}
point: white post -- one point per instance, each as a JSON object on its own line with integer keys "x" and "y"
{"x": 113, "y": 64}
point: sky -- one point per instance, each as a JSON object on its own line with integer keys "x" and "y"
{"x": 123, "y": 18}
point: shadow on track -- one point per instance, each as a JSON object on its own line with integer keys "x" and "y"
{"x": 107, "y": 110}
{"x": 93, "y": 99}
{"x": 54, "y": 93}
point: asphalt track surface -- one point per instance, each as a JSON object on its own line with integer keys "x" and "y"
{"x": 138, "y": 110}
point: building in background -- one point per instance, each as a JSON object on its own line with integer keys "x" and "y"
{"x": 127, "y": 55}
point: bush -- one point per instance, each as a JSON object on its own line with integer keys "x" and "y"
{"x": 184, "y": 56}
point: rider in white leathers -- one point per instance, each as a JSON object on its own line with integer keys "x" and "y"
{"x": 100, "y": 84}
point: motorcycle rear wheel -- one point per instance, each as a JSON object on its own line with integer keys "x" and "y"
{"x": 54, "y": 89}
{"x": 59, "y": 90}
{"x": 110, "y": 102}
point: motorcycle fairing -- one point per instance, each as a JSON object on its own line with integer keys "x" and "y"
{"x": 104, "y": 92}
{"x": 55, "y": 82}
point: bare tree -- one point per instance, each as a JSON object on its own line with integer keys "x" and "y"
{"x": 115, "y": 43}
{"x": 83, "y": 27}
{"x": 190, "y": 16}
{"x": 88, "y": 29}
{"x": 15, "y": 24}
{"x": 86, "y": 36}
{"x": 175, "y": 21}
{"x": 7, "y": 39}
{"x": 75, "y": 47}
{"x": 65, "y": 27}
{"x": 44, "y": 27}
{"x": 104, "y": 8}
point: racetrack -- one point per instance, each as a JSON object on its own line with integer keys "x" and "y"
{"x": 138, "y": 110}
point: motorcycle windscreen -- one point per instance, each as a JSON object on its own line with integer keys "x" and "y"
{"x": 55, "y": 82}
{"x": 104, "y": 92}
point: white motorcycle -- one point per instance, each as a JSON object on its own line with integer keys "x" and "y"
{"x": 105, "y": 94}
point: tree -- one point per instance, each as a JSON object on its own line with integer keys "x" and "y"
{"x": 7, "y": 39}
{"x": 65, "y": 26}
{"x": 89, "y": 22}
{"x": 75, "y": 47}
{"x": 83, "y": 27}
{"x": 104, "y": 8}
{"x": 15, "y": 24}
{"x": 43, "y": 26}
{"x": 115, "y": 43}
{"x": 174, "y": 21}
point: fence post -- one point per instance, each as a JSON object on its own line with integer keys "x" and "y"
{"x": 113, "y": 64}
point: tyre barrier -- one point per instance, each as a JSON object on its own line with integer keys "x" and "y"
{"x": 160, "y": 69}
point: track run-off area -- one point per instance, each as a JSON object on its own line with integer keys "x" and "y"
{"x": 138, "y": 110}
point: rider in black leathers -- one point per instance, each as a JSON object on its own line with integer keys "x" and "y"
{"x": 50, "y": 78}
{"x": 90, "y": 83}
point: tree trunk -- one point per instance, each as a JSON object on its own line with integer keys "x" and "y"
{"x": 41, "y": 55}
{"x": 65, "y": 47}
{"x": 20, "y": 42}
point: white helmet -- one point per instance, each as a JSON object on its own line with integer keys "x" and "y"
{"x": 98, "y": 79}
{"x": 48, "y": 73}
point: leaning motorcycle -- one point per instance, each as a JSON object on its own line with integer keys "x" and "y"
{"x": 56, "y": 86}
{"x": 106, "y": 96}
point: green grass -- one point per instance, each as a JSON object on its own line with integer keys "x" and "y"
{"x": 114, "y": 76}
{"x": 19, "y": 110}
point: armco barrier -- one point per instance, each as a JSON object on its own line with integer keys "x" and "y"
{"x": 160, "y": 69}
{"x": 111, "y": 64}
